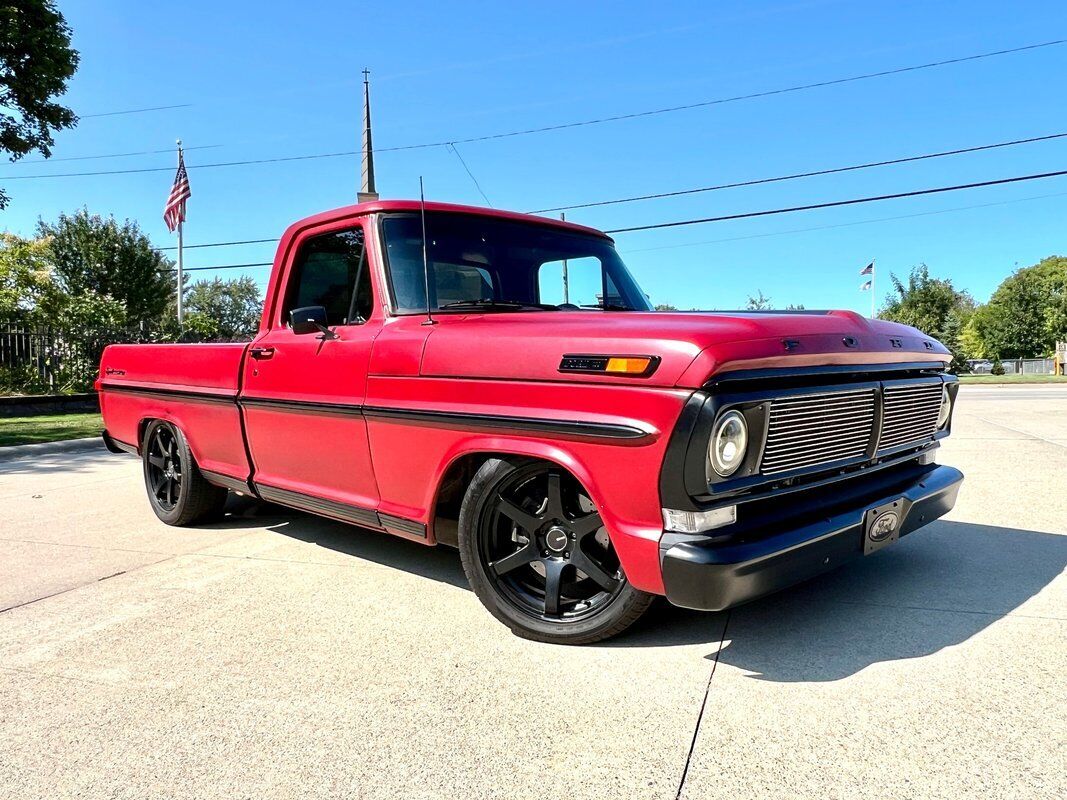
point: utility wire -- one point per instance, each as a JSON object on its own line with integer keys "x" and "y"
{"x": 751, "y": 214}
{"x": 115, "y": 155}
{"x": 188, "y": 166}
{"x": 221, "y": 244}
{"x": 562, "y": 126}
{"x": 222, "y": 266}
{"x": 843, "y": 224}
{"x": 836, "y": 203}
{"x": 477, "y": 185}
{"x": 753, "y": 182}
{"x": 736, "y": 238}
{"x": 736, "y": 98}
{"x": 133, "y": 111}
{"x": 796, "y": 175}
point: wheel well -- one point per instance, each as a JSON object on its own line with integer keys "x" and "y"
{"x": 453, "y": 487}
{"x": 142, "y": 426}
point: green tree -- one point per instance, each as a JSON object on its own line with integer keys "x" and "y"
{"x": 1026, "y": 315}
{"x": 25, "y": 276}
{"x": 666, "y": 307}
{"x": 934, "y": 306}
{"x": 94, "y": 255}
{"x": 36, "y": 61}
{"x": 88, "y": 314}
{"x": 224, "y": 309}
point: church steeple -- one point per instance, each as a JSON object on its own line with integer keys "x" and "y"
{"x": 367, "y": 191}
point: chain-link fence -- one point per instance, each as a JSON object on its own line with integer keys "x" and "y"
{"x": 1015, "y": 366}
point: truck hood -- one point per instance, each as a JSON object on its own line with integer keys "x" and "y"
{"x": 692, "y": 346}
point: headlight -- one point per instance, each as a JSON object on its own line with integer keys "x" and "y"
{"x": 946, "y": 408}
{"x": 729, "y": 441}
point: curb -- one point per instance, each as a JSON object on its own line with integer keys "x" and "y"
{"x": 48, "y": 448}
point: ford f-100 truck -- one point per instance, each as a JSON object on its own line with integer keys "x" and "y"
{"x": 498, "y": 382}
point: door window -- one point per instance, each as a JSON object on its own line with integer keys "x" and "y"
{"x": 327, "y": 269}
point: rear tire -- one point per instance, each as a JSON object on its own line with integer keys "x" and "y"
{"x": 177, "y": 491}
{"x": 538, "y": 557}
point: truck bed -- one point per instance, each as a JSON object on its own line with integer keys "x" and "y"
{"x": 192, "y": 385}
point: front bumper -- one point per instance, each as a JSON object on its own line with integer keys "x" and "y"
{"x": 713, "y": 576}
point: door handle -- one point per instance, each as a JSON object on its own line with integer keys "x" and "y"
{"x": 261, "y": 353}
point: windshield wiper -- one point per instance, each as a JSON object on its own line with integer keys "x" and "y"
{"x": 609, "y": 307}
{"x": 485, "y": 303}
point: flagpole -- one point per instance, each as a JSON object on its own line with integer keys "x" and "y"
{"x": 873, "y": 269}
{"x": 181, "y": 253}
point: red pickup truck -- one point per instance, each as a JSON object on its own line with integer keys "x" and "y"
{"x": 498, "y": 382}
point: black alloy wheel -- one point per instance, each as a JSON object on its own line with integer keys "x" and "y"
{"x": 541, "y": 558}
{"x": 163, "y": 469}
{"x": 177, "y": 490}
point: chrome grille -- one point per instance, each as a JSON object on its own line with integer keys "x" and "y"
{"x": 814, "y": 429}
{"x": 909, "y": 414}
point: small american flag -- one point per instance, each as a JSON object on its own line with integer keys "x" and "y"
{"x": 868, "y": 270}
{"x": 174, "y": 211}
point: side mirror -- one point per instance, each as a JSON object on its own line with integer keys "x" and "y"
{"x": 310, "y": 319}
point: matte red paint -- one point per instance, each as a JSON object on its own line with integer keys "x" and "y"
{"x": 495, "y": 364}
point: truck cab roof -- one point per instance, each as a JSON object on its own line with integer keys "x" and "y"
{"x": 386, "y": 206}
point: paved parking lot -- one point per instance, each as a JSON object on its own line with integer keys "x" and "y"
{"x": 280, "y": 655}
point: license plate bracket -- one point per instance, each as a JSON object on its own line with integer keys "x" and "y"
{"x": 876, "y": 531}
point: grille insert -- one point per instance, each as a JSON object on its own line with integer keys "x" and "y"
{"x": 909, "y": 414}
{"x": 815, "y": 429}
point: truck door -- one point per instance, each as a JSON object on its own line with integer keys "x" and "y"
{"x": 302, "y": 393}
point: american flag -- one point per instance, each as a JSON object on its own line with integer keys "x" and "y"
{"x": 868, "y": 270}
{"x": 174, "y": 211}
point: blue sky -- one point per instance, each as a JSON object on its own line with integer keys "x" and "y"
{"x": 268, "y": 79}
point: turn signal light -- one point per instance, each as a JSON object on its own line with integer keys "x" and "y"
{"x": 638, "y": 366}
{"x": 629, "y": 366}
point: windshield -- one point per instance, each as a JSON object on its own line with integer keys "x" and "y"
{"x": 492, "y": 264}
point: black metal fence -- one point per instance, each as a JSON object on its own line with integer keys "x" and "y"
{"x": 48, "y": 360}
{"x": 44, "y": 360}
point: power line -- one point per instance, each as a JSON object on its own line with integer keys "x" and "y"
{"x": 222, "y": 266}
{"x": 837, "y": 203}
{"x": 752, "y": 96}
{"x": 731, "y": 238}
{"x": 133, "y": 111}
{"x": 221, "y": 244}
{"x": 796, "y": 175}
{"x": 843, "y": 224}
{"x": 753, "y": 182}
{"x": 562, "y": 126}
{"x": 188, "y": 166}
{"x": 751, "y": 214}
{"x": 115, "y": 155}
{"x": 477, "y": 185}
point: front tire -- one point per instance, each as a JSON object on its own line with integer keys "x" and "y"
{"x": 536, "y": 553}
{"x": 177, "y": 491}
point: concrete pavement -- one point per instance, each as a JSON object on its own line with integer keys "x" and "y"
{"x": 280, "y": 655}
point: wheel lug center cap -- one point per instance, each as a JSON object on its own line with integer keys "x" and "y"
{"x": 556, "y": 539}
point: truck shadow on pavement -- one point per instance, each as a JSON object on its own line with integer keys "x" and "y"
{"x": 436, "y": 563}
{"x": 930, "y": 591}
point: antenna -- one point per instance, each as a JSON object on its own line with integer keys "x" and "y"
{"x": 425, "y": 258}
